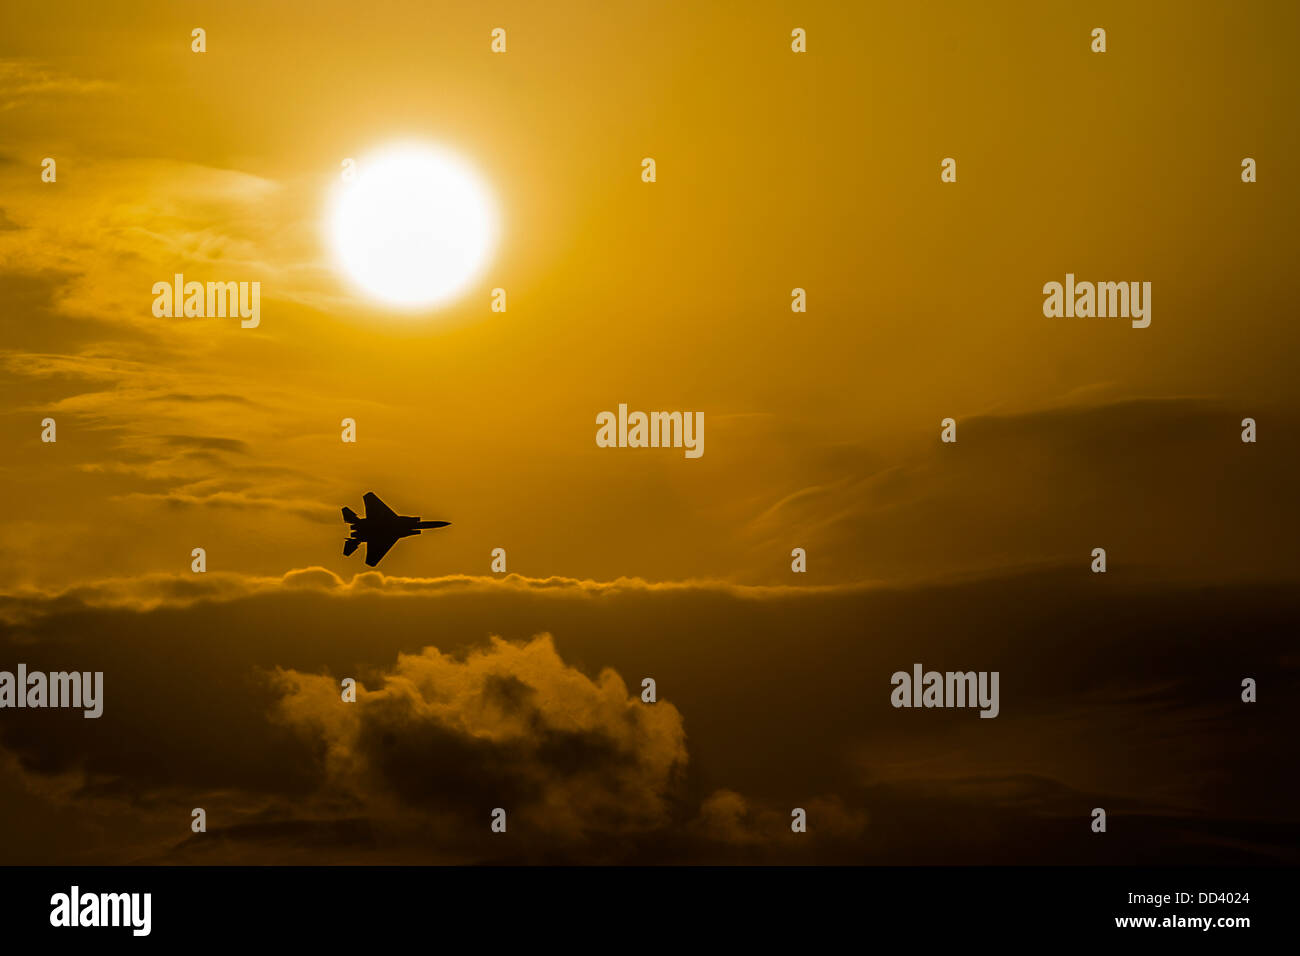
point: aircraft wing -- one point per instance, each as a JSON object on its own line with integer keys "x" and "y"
{"x": 377, "y": 547}
{"x": 376, "y": 508}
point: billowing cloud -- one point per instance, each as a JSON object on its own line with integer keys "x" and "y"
{"x": 507, "y": 726}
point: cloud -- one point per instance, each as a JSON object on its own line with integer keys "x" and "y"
{"x": 507, "y": 726}
{"x": 1165, "y": 482}
{"x": 239, "y": 501}
{"x": 223, "y": 691}
{"x": 729, "y": 819}
{"x": 149, "y": 591}
{"x": 152, "y": 440}
{"x": 183, "y": 397}
{"x": 143, "y": 220}
{"x": 87, "y": 366}
{"x": 208, "y": 442}
{"x": 23, "y": 81}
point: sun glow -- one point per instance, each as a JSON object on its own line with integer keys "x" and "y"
{"x": 414, "y": 228}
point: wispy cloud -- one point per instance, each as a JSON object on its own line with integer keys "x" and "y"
{"x": 23, "y": 81}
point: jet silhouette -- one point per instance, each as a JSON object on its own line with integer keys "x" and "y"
{"x": 380, "y": 528}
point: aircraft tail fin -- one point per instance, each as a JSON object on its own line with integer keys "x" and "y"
{"x": 349, "y": 515}
{"x": 349, "y": 545}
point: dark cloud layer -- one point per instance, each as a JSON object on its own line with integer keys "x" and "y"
{"x": 1115, "y": 692}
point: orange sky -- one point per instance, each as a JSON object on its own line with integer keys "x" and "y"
{"x": 775, "y": 171}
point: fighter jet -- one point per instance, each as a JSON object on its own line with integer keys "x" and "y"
{"x": 380, "y": 528}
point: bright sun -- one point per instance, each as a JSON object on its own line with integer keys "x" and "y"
{"x": 415, "y": 227}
